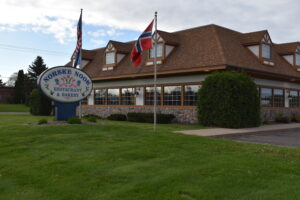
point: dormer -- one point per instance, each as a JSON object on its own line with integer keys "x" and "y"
{"x": 291, "y": 53}
{"x": 114, "y": 54}
{"x": 166, "y": 43}
{"x": 260, "y": 44}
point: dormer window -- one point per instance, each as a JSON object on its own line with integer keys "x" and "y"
{"x": 297, "y": 59}
{"x": 110, "y": 58}
{"x": 159, "y": 50}
{"x": 266, "y": 51}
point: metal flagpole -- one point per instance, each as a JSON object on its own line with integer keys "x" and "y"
{"x": 155, "y": 77}
{"x": 80, "y": 53}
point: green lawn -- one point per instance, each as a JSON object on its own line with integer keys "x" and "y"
{"x": 13, "y": 108}
{"x": 122, "y": 160}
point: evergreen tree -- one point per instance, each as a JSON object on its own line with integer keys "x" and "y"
{"x": 19, "y": 93}
{"x": 35, "y": 69}
{"x": 1, "y": 83}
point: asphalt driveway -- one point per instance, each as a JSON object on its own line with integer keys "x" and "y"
{"x": 287, "y": 137}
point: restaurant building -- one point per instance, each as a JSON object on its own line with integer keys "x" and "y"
{"x": 185, "y": 58}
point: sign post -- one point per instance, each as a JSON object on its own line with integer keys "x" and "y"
{"x": 66, "y": 86}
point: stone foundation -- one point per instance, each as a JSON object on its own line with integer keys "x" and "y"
{"x": 269, "y": 114}
{"x": 183, "y": 115}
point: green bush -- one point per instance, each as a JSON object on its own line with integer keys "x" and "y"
{"x": 91, "y": 115}
{"x": 91, "y": 119}
{"x": 117, "y": 117}
{"x": 42, "y": 121}
{"x": 295, "y": 117}
{"x": 74, "y": 120}
{"x": 149, "y": 118}
{"x": 229, "y": 99}
{"x": 280, "y": 118}
{"x": 39, "y": 103}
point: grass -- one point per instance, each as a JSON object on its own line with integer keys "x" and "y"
{"x": 122, "y": 160}
{"x": 13, "y": 108}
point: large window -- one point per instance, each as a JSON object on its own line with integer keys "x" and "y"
{"x": 297, "y": 59}
{"x": 159, "y": 50}
{"x": 149, "y": 95}
{"x": 293, "y": 98}
{"x": 266, "y": 97}
{"x": 190, "y": 95}
{"x": 113, "y": 96}
{"x": 266, "y": 51}
{"x": 278, "y": 98}
{"x": 84, "y": 101}
{"x": 110, "y": 58}
{"x": 172, "y": 95}
{"x": 127, "y": 96}
{"x": 100, "y": 96}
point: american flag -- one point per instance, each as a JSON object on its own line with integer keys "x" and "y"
{"x": 144, "y": 42}
{"x": 76, "y": 55}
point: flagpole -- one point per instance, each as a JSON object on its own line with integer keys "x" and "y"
{"x": 155, "y": 77}
{"x": 80, "y": 53}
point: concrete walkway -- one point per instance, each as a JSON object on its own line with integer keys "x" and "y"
{"x": 228, "y": 131}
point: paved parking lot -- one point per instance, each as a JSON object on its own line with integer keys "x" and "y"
{"x": 287, "y": 137}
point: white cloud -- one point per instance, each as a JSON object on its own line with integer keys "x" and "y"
{"x": 98, "y": 41}
{"x": 112, "y": 32}
{"x": 59, "y": 17}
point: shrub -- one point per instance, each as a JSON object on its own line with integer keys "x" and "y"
{"x": 91, "y": 119}
{"x": 42, "y": 121}
{"x": 39, "y": 103}
{"x": 91, "y": 115}
{"x": 117, "y": 117}
{"x": 280, "y": 118}
{"x": 74, "y": 120}
{"x": 295, "y": 117}
{"x": 229, "y": 99}
{"x": 149, "y": 118}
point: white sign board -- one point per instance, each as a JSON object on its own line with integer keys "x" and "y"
{"x": 65, "y": 84}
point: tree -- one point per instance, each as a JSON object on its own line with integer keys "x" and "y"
{"x": 229, "y": 99}
{"x": 1, "y": 83}
{"x": 19, "y": 93}
{"x": 36, "y": 68}
{"x": 12, "y": 79}
{"x": 39, "y": 103}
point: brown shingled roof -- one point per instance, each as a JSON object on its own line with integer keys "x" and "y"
{"x": 286, "y": 48}
{"x": 199, "y": 48}
{"x": 169, "y": 38}
{"x": 122, "y": 47}
{"x": 253, "y": 37}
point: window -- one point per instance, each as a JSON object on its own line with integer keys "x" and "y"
{"x": 266, "y": 51}
{"x": 159, "y": 50}
{"x": 297, "y": 59}
{"x": 100, "y": 96}
{"x": 278, "y": 98}
{"x": 293, "y": 98}
{"x": 110, "y": 58}
{"x": 266, "y": 97}
{"x": 190, "y": 95}
{"x": 127, "y": 96}
{"x": 149, "y": 95}
{"x": 113, "y": 96}
{"x": 172, "y": 95}
{"x": 84, "y": 101}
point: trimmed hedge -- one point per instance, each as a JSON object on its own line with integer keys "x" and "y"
{"x": 149, "y": 118}
{"x": 229, "y": 99}
{"x": 39, "y": 103}
{"x": 74, "y": 120}
{"x": 281, "y": 118}
{"x": 117, "y": 117}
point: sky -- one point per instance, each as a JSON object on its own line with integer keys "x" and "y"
{"x": 47, "y": 28}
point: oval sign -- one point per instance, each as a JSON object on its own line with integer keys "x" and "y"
{"x": 65, "y": 84}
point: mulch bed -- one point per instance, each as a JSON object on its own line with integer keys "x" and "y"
{"x": 58, "y": 123}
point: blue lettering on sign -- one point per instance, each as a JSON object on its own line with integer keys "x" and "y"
{"x": 82, "y": 77}
{"x": 56, "y": 73}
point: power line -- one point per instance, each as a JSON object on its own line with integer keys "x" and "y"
{"x": 32, "y": 50}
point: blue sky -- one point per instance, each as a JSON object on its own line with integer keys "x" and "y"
{"x": 29, "y": 28}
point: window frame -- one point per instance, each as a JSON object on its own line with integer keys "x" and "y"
{"x": 261, "y": 51}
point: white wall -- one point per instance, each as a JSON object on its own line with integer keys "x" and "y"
{"x": 254, "y": 49}
{"x": 140, "y": 96}
{"x": 290, "y": 59}
{"x": 91, "y": 98}
{"x": 266, "y": 82}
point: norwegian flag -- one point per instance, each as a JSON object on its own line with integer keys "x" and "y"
{"x": 76, "y": 55}
{"x": 144, "y": 42}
